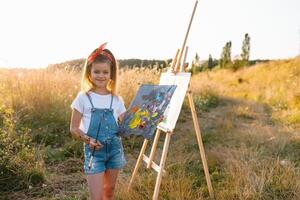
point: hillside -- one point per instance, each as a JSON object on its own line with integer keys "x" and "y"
{"x": 78, "y": 64}
{"x": 275, "y": 83}
{"x": 250, "y": 122}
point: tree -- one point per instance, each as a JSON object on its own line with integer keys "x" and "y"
{"x": 197, "y": 59}
{"x": 195, "y": 64}
{"x": 210, "y": 62}
{"x": 226, "y": 55}
{"x": 246, "y": 49}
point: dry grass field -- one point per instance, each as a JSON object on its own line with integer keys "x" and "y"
{"x": 250, "y": 123}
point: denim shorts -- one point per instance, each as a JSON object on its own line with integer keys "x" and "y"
{"x": 110, "y": 156}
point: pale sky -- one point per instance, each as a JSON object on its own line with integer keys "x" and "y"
{"x": 35, "y": 33}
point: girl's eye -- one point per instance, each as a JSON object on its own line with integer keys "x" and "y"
{"x": 104, "y": 72}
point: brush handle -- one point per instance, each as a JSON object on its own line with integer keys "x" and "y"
{"x": 92, "y": 156}
{"x": 91, "y": 160}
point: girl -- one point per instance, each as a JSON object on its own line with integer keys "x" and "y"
{"x": 95, "y": 113}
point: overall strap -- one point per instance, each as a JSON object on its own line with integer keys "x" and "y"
{"x": 112, "y": 97}
{"x": 90, "y": 99}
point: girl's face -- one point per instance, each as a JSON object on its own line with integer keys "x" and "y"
{"x": 100, "y": 74}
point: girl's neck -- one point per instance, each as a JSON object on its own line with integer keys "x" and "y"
{"x": 102, "y": 91}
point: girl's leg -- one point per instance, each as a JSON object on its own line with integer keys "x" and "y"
{"x": 110, "y": 179}
{"x": 95, "y": 184}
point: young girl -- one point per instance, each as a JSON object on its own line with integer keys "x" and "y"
{"x": 95, "y": 114}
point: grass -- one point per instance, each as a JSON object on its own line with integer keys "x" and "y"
{"x": 249, "y": 121}
{"x": 274, "y": 83}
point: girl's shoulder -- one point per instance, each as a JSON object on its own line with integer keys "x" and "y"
{"x": 79, "y": 102}
{"x": 81, "y": 94}
{"x": 118, "y": 98}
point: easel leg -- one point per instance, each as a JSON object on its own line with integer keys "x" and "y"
{"x": 138, "y": 162}
{"x": 200, "y": 144}
{"x": 162, "y": 165}
{"x": 152, "y": 153}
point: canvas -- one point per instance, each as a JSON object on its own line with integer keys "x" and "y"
{"x": 146, "y": 110}
{"x": 181, "y": 80}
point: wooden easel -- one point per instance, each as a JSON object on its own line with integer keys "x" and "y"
{"x": 149, "y": 160}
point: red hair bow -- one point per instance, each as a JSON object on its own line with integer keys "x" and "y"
{"x": 99, "y": 51}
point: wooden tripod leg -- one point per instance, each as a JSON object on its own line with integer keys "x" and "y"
{"x": 138, "y": 162}
{"x": 162, "y": 165}
{"x": 153, "y": 149}
{"x": 186, "y": 35}
{"x": 200, "y": 144}
{"x": 175, "y": 61}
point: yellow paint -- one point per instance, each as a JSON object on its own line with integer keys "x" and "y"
{"x": 137, "y": 118}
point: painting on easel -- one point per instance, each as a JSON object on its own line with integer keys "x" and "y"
{"x": 146, "y": 110}
{"x": 181, "y": 80}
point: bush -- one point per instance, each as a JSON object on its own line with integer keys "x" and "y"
{"x": 206, "y": 100}
{"x": 20, "y": 164}
{"x": 237, "y": 64}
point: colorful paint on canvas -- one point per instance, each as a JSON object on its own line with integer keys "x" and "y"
{"x": 146, "y": 110}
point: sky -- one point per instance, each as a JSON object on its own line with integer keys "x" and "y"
{"x": 35, "y": 33}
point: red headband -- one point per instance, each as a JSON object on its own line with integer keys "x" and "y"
{"x": 99, "y": 51}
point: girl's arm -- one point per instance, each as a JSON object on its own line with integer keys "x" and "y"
{"x": 121, "y": 117}
{"x": 74, "y": 127}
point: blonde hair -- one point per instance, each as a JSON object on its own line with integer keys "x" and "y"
{"x": 86, "y": 81}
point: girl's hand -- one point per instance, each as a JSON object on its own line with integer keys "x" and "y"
{"x": 93, "y": 144}
{"x": 121, "y": 117}
{"x": 86, "y": 139}
{"x": 161, "y": 118}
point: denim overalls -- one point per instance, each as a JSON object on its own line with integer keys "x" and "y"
{"x": 111, "y": 154}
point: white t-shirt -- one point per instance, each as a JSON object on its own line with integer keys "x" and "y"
{"x": 82, "y": 104}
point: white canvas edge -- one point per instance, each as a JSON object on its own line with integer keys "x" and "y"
{"x": 177, "y": 99}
